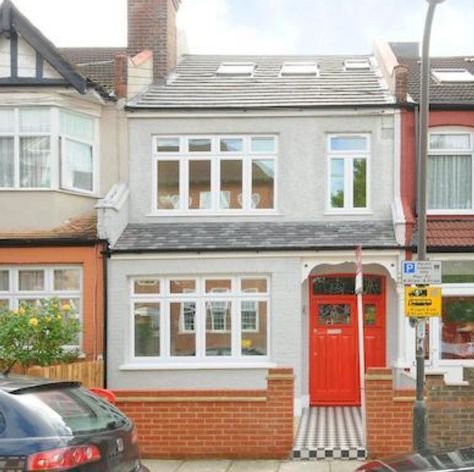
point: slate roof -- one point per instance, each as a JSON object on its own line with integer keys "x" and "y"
{"x": 441, "y": 93}
{"x": 448, "y": 233}
{"x": 195, "y": 84}
{"x": 96, "y": 63}
{"x": 168, "y": 237}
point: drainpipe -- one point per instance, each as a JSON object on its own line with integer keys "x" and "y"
{"x": 105, "y": 258}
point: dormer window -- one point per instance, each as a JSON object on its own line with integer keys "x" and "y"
{"x": 236, "y": 68}
{"x": 357, "y": 64}
{"x": 452, "y": 75}
{"x": 299, "y": 68}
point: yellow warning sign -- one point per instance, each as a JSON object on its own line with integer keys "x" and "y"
{"x": 421, "y": 302}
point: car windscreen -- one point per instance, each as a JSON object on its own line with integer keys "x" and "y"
{"x": 76, "y": 409}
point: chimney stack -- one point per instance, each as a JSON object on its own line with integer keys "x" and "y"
{"x": 152, "y": 25}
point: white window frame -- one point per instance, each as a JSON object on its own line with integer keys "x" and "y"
{"x": 348, "y": 158}
{"x": 215, "y": 156}
{"x": 453, "y": 290}
{"x": 14, "y": 295}
{"x": 235, "y": 296}
{"x": 357, "y": 64}
{"x": 299, "y": 69}
{"x": 236, "y": 68}
{"x": 442, "y": 75}
{"x": 455, "y": 152}
{"x": 56, "y": 150}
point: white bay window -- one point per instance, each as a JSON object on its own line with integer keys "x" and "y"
{"x": 450, "y": 170}
{"x": 199, "y": 320}
{"x": 47, "y": 148}
{"x": 214, "y": 174}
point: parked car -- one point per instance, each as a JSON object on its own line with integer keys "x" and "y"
{"x": 458, "y": 459}
{"x": 59, "y": 426}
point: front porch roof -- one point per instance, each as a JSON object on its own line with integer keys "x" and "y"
{"x": 249, "y": 236}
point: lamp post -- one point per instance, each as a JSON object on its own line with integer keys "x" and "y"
{"x": 419, "y": 410}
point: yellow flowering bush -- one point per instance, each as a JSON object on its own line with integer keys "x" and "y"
{"x": 37, "y": 334}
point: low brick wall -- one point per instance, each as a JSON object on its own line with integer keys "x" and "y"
{"x": 450, "y": 411}
{"x": 389, "y": 415}
{"x": 215, "y": 424}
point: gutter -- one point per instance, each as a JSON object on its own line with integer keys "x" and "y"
{"x": 256, "y": 249}
{"x": 105, "y": 257}
{"x": 450, "y": 249}
{"x": 48, "y": 242}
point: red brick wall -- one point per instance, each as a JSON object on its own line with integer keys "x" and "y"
{"x": 450, "y": 411}
{"x": 389, "y": 415}
{"x": 152, "y": 25}
{"x": 215, "y": 424}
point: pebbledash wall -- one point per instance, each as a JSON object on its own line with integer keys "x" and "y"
{"x": 215, "y": 423}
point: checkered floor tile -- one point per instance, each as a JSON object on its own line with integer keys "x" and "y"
{"x": 330, "y": 433}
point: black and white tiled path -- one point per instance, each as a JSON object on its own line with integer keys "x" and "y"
{"x": 330, "y": 433}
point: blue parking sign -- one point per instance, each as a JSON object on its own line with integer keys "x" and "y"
{"x": 409, "y": 267}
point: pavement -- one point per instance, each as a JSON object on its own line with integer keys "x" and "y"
{"x": 252, "y": 466}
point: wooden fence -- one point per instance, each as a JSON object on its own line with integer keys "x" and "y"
{"x": 90, "y": 373}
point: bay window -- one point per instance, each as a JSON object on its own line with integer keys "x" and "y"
{"x": 348, "y": 172}
{"x": 214, "y": 174}
{"x": 450, "y": 170}
{"x": 199, "y": 319}
{"x": 28, "y": 285}
{"x": 46, "y": 148}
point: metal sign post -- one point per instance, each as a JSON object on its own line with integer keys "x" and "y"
{"x": 359, "y": 289}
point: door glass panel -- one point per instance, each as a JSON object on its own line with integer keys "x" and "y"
{"x": 370, "y": 314}
{"x": 218, "y": 328}
{"x": 182, "y": 329}
{"x": 334, "y": 314}
{"x": 372, "y": 285}
{"x": 457, "y": 332}
{"x": 345, "y": 285}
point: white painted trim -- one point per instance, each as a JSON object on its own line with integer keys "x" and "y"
{"x": 197, "y": 366}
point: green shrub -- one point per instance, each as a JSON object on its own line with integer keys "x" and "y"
{"x": 37, "y": 334}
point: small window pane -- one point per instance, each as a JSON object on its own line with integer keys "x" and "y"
{"x": 231, "y": 184}
{"x": 31, "y": 280}
{"x": 182, "y": 286}
{"x": 370, "y": 314}
{"x": 360, "y": 183}
{"x": 147, "y": 329}
{"x": 458, "y": 272}
{"x": 168, "y": 185}
{"x": 218, "y": 286}
{"x": 35, "y": 121}
{"x": 254, "y": 328}
{"x": 218, "y": 328}
{"x": 67, "y": 279}
{"x": 4, "y": 281}
{"x": 254, "y": 285}
{"x": 457, "y": 336}
{"x": 199, "y": 145}
{"x": 4, "y": 305}
{"x": 182, "y": 329}
{"x": 77, "y": 166}
{"x": 337, "y": 183}
{"x": 231, "y": 145}
{"x": 71, "y": 307}
{"x": 349, "y": 143}
{"x": 263, "y": 174}
{"x": 7, "y": 162}
{"x": 78, "y": 126}
{"x": 7, "y": 121}
{"x": 167, "y": 145}
{"x": 200, "y": 185}
{"x": 334, "y": 314}
{"x": 450, "y": 141}
{"x": 34, "y": 162}
{"x": 263, "y": 144}
{"x": 449, "y": 180}
{"x": 146, "y": 287}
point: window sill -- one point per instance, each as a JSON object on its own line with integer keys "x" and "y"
{"x": 173, "y": 213}
{"x": 345, "y": 212}
{"x": 55, "y": 190}
{"x": 197, "y": 366}
{"x": 450, "y": 212}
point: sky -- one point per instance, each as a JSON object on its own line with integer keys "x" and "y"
{"x": 266, "y": 26}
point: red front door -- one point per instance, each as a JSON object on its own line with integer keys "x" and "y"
{"x": 334, "y": 351}
{"x": 334, "y": 357}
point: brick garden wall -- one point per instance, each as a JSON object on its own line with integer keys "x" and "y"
{"x": 389, "y": 415}
{"x": 215, "y": 424}
{"x": 450, "y": 411}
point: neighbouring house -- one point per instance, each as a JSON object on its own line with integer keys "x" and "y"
{"x": 61, "y": 150}
{"x": 252, "y": 180}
